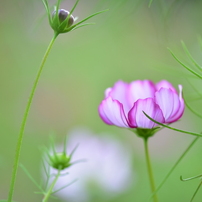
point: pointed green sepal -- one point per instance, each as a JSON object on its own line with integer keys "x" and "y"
{"x": 62, "y": 21}
{"x": 60, "y": 161}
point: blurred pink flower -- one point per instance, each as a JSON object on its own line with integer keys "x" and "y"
{"x": 124, "y": 103}
{"x": 106, "y": 173}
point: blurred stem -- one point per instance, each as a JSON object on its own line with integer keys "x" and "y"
{"x": 50, "y": 190}
{"x": 24, "y": 120}
{"x": 149, "y": 168}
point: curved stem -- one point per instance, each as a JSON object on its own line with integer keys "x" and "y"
{"x": 190, "y": 178}
{"x": 24, "y": 120}
{"x": 50, "y": 191}
{"x": 149, "y": 168}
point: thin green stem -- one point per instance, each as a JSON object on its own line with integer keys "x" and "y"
{"x": 149, "y": 168}
{"x": 196, "y": 191}
{"x": 24, "y": 120}
{"x": 50, "y": 191}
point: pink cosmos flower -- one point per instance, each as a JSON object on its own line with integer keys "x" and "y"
{"x": 124, "y": 104}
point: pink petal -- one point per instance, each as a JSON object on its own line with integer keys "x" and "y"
{"x": 165, "y": 84}
{"x": 112, "y": 113}
{"x": 119, "y": 92}
{"x": 140, "y": 90}
{"x": 170, "y": 103}
{"x": 137, "y": 118}
{"x": 180, "y": 110}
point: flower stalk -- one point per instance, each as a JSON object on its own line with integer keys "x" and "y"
{"x": 50, "y": 191}
{"x": 61, "y": 21}
{"x": 24, "y": 120}
{"x": 149, "y": 169}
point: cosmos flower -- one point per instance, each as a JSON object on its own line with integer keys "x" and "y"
{"x": 105, "y": 173}
{"x": 124, "y": 104}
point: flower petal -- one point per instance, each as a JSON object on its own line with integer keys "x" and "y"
{"x": 181, "y": 108}
{"x": 170, "y": 103}
{"x": 137, "y": 118}
{"x": 119, "y": 92}
{"x": 140, "y": 90}
{"x": 112, "y": 113}
{"x": 165, "y": 84}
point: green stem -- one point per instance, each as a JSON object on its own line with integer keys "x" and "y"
{"x": 50, "y": 191}
{"x": 24, "y": 120}
{"x": 149, "y": 168}
{"x": 196, "y": 191}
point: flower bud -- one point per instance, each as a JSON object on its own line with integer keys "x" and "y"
{"x": 62, "y": 16}
{"x": 61, "y": 21}
{"x": 60, "y": 161}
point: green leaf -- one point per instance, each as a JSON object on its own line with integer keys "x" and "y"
{"x": 31, "y": 178}
{"x": 47, "y": 10}
{"x": 175, "y": 165}
{"x": 56, "y": 11}
{"x": 190, "y": 57}
{"x": 72, "y": 10}
{"x": 67, "y": 185}
{"x": 83, "y": 25}
{"x": 192, "y": 110}
{"x": 72, "y": 27}
{"x": 150, "y": 2}
{"x": 175, "y": 129}
{"x": 190, "y": 178}
{"x": 186, "y": 67}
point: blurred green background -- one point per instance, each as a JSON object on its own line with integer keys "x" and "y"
{"x": 128, "y": 42}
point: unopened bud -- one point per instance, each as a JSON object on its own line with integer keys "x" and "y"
{"x": 60, "y": 161}
{"x": 61, "y": 21}
{"x": 62, "y": 15}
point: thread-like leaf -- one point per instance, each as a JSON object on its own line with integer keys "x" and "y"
{"x": 186, "y": 67}
{"x": 190, "y": 56}
{"x": 88, "y": 18}
{"x": 150, "y": 2}
{"x": 175, "y": 129}
{"x": 83, "y": 25}
{"x": 192, "y": 110}
{"x": 31, "y": 178}
{"x": 175, "y": 165}
{"x": 67, "y": 185}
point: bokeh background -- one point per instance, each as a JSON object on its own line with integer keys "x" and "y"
{"x": 128, "y": 42}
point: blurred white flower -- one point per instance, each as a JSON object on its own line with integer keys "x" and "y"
{"x": 107, "y": 171}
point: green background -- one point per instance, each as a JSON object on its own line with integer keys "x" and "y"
{"x": 128, "y": 42}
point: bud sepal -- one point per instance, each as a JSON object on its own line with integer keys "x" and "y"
{"x": 62, "y": 21}
{"x": 60, "y": 160}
